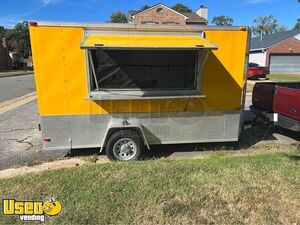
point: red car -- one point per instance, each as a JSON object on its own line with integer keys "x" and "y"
{"x": 278, "y": 102}
{"x": 255, "y": 71}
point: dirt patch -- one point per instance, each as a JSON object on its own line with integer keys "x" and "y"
{"x": 39, "y": 167}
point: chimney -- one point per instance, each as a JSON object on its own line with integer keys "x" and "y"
{"x": 203, "y": 12}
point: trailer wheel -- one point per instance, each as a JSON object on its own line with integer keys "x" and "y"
{"x": 124, "y": 145}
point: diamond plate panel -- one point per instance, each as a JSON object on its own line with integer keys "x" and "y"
{"x": 159, "y": 128}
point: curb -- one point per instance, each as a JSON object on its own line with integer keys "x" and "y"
{"x": 46, "y": 166}
{"x": 16, "y": 102}
{"x": 16, "y": 75}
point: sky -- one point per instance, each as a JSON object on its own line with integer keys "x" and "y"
{"x": 242, "y": 11}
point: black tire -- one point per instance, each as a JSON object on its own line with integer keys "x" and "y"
{"x": 114, "y": 144}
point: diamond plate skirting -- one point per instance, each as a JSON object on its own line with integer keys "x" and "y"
{"x": 87, "y": 131}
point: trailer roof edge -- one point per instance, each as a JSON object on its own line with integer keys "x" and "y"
{"x": 134, "y": 26}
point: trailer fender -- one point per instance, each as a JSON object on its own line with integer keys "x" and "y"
{"x": 116, "y": 124}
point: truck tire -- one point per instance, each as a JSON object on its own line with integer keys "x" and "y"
{"x": 124, "y": 145}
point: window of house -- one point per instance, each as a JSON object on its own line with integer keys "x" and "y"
{"x": 149, "y": 22}
{"x": 144, "y": 69}
{"x": 170, "y": 23}
{"x": 160, "y": 10}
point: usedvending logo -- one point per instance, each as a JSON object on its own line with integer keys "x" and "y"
{"x": 31, "y": 210}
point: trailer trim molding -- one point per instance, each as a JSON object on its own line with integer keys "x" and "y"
{"x": 127, "y": 95}
{"x": 122, "y": 124}
{"x": 118, "y": 26}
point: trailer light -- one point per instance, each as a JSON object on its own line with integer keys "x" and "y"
{"x": 33, "y": 23}
{"x": 47, "y": 139}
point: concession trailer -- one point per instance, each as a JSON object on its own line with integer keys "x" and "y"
{"x": 125, "y": 87}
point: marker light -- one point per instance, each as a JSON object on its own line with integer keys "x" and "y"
{"x": 47, "y": 139}
{"x": 33, "y": 23}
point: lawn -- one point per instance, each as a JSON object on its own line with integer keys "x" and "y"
{"x": 220, "y": 189}
{"x": 284, "y": 77}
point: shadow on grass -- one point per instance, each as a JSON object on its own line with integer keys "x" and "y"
{"x": 162, "y": 151}
{"x": 294, "y": 157}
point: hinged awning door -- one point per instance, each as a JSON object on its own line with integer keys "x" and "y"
{"x": 116, "y": 41}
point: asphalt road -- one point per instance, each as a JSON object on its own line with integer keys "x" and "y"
{"x": 13, "y": 87}
{"x": 20, "y": 139}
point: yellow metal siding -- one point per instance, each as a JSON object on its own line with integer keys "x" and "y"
{"x": 60, "y": 74}
{"x": 147, "y": 41}
{"x": 223, "y": 73}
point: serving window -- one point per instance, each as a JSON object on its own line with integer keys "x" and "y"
{"x": 145, "y": 66}
{"x": 144, "y": 69}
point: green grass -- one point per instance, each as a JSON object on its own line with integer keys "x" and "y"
{"x": 284, "y": 77}
{"x": 257, "y": 189}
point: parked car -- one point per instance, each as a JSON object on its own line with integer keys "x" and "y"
{"x": 255, "y": 71}
{"x": 278, "y": 102}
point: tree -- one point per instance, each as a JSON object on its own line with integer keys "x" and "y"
{"x": 18, "y": 39}
{"x": 222, "y": 21}
{"x": 266, "y": 25}
{"x": 181, "y": 8}
{"x": 144, "y": 7}
{"x": 118, "y": 17}
{"x": 297, "y": 25}
{"x": 282, "y": 28}
{"x": 2, "y": 32}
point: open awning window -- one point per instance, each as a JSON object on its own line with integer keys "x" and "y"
{"x": 112, "y": 41}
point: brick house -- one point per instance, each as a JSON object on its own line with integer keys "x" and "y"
{"x": 280, "y": 52}
{"x": 5, "y": 60}
{"x": 162, "y": 14}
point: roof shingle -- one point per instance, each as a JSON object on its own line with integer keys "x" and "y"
{"x": 194, "y": 18}
{"x": 271, "y": 39}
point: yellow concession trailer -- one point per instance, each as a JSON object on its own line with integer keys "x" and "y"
{"x": 125, "y": 87}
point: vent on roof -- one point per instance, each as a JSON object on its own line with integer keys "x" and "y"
{"x": 160, "y": 10}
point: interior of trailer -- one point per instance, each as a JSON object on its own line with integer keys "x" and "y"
{"x": 145, "y": 69}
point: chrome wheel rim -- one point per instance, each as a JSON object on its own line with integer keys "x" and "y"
{"x": 124, "y": 149}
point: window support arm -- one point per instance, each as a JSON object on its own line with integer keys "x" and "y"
{"x": 93, "y": 69}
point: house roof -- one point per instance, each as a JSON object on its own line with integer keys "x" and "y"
{"x": 269, "y": 40}
{"x": 162, "y": 5}
{"x": 194, "y": 18}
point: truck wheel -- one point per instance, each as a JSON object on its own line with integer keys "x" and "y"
{"x": 124, "y": 145}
